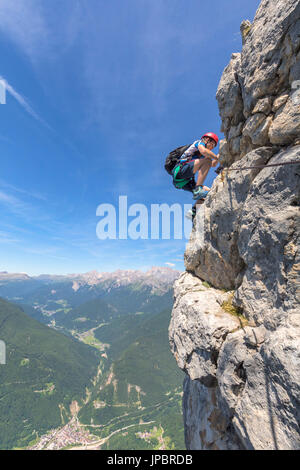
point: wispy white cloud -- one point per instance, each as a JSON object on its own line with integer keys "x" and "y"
{"x": 7, "y": 238}
{"x": 46, "y": 30}
{"x": 29, "y": 208}
{"x": 170, "y": 264}
{"x": 23, "y": 23}
{"x": 23, "y": 102}
{"x": 31, "y": 25}
{"x": 26, "y": 210}
{"x": 32, "y": 194}
{"x": 8, "y": 199}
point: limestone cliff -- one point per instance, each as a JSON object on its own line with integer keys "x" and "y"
{"x": 235, "y": 324}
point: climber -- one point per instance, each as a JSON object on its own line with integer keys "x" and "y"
{"x": 198, "y": 157}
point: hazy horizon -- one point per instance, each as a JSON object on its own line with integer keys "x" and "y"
{"x": 146, "y": 269}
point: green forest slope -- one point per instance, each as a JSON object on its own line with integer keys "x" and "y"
{"x": 141, "y": 384}
{"x": 44, "y": 372}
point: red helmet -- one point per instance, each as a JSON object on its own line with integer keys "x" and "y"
{"x": 211, "y": 135}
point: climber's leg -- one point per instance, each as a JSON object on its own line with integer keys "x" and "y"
{"x": 203, "y": 166}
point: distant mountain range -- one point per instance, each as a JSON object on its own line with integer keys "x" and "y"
{"x": 53, "y": 298}
{"x": 156, "y": 277}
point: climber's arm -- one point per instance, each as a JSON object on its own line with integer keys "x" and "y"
{"x": 207, "y": 153}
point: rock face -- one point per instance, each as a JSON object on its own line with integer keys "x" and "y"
{"x": 237, "y": 335}
{"x": 259, "y": 92}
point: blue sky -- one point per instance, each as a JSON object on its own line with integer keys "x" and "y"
{"x": 97, "y": 94}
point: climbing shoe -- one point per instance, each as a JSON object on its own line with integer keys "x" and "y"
{"x": 199, "y": 193}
